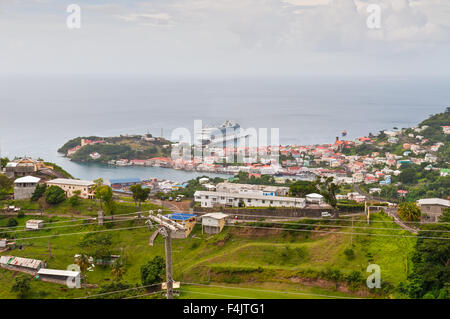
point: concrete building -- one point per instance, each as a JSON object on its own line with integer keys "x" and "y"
{"x": 211, "y": 199}
{"x": 24, "y": 187}
{"x": 433, "y": 207}
{"x": 71, "y": 185}
{"x": 213, "y": 223}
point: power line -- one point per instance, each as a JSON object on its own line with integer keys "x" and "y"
{"x": 117, "y": 291}
{"x": 285, "y": 229}
{"x": 143, "y": 295}
{"x": 346, "y": 226}
{"x": 271, "y": 291}
{"x": 69, "y": 221}
{"x": 332, "y": 219}
{"x": 67, "y": 226}
{"x": 80, "y": 233}
{"x": 212, "y": 294}
{"x": 344, "y": 233}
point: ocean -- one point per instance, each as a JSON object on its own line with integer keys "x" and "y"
{"x": 40, "y": 113}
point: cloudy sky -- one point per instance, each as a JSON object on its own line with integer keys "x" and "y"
{"x": 244, "y": 37}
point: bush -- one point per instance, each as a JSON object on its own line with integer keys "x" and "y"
{"x": 349, "y": 253}
{"x": 54, "y": 195}
{"x": 38, "y": 192}
{"x": 20, "y": 215}
{"x": 21, "y": 286}
{"x": 409, "y": 211}
{"x": 153, "y": 271}
{"x": 12, "y": 223}
{"x": 354, "y": 279}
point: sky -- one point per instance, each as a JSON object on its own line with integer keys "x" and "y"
{"x": 230, "y": 37}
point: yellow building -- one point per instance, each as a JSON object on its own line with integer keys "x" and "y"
{"x": 187, "y": 220}
{"x": 71, "y": 185}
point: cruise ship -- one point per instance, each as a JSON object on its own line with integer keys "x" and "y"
{"x": 221, "y": 135}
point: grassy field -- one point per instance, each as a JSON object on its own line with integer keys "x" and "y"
{"x": 266, "y": 259}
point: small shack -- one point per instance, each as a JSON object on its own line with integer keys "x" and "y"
{"x": 34, "y": 224}
{"x": 213, "y": 223}
{"x": 187, "y": 220}
{"x": 64, "y": 277}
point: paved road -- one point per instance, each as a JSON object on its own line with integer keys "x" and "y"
{"x": 391, "y": 211}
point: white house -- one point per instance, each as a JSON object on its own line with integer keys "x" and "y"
{"x": 314, "y": 198}
{"x": 211, "y": 199}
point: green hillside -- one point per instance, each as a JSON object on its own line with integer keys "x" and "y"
{"x": 303, "y": 263}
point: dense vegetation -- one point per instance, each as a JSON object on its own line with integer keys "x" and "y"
{"x": 115, "y": 148}
{"x": 430, "y": 276}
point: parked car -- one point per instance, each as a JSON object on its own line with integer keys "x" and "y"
{"x": 326, "y": 214}
{"x": 170, "y": 198}
{"x": 178, "y": 199}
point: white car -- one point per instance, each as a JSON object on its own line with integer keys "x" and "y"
{"x": 326, "y": 214}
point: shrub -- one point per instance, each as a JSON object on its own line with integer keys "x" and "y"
{"x": 349, "y": 253}
{"x": 54, "y": 195}
{"x": 153, "y": 271}
{"x": 354, "y": 279}
{"x": 409, "y": 211}
{"x": 12, "y": 223}
{"x": 38, "y": 192}
{"x": 21, "y": 286}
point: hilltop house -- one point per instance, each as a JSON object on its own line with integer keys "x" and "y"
{"x": 24, "y": 166}
{"x": 24, "y": 187}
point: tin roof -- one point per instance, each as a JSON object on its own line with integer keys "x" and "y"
{"x": 25, "y": 262}
{"x": 56, "y": 272}
{"x": 180, "y": 216}
{"x": 215, "y": 215}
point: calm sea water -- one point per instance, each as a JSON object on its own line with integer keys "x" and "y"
{"x": 39, "y": 114}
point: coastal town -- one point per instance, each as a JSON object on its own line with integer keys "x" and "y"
{"x": 397, "y": 179}
{"x": 373, "y": 160}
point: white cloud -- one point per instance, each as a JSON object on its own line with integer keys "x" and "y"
{"x": 248, "y": 36}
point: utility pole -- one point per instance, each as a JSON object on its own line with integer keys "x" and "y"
{"x": 165, "y": 229}
{"x": 367, "y": 211}
{"x": 351, "y": 237}
{"x": 49, "y": 250}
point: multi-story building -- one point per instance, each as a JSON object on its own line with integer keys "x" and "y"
{"x": 71, "y": 185}
{"x": 211, "y": 199}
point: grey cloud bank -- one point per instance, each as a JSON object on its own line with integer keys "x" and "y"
{"x": 271, "y": 37}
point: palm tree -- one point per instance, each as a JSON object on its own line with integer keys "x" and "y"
{"x": 117, "y": 270}
{"x": 83, "y": 262}
{"x": 327, "y": 189}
